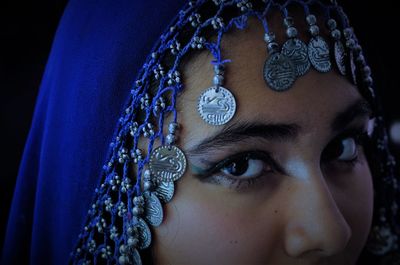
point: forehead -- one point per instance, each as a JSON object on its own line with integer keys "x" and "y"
{"x": 311, "y": 102}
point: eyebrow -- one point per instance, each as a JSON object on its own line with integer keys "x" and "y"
{"x": 360, "y": 108}
{"x": 239, "y": 131}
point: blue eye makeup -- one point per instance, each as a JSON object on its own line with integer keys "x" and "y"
{"x": 242, "y": 170}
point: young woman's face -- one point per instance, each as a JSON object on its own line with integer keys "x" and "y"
{"x": 285, "y": 182}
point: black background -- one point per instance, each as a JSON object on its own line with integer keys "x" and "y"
{"x": 27, "y": 31}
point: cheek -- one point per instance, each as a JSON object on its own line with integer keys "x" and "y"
{"x": 365, "y": 204}
{"x": 201, "y": 221}
{"x": 356, "y": 203}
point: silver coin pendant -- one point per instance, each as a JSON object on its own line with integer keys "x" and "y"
{"x": 318, "y": 53}
{"x": 217, "y": 106}
{"x": 167, "y": 163}
{"x": 279, "y": 72}
{"x": 144, "y": 234}
{"x": 165, "y": 191}
{"x": 296, "y": 50}
{"x": 153, "y": 209}
{"x": 340, "y": 56}
{"x": 353, "y": 68}
{"x": 136, "y": 257}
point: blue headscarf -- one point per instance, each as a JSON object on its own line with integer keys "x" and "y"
{"x": 98, "y": 49}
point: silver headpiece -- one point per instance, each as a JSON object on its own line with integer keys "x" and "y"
{"x": 136, "y": 183}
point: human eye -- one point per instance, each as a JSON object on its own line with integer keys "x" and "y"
{"x": 346, "y": 147}
{"x": 240, "y": 171}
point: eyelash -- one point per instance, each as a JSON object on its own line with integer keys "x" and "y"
{"x": 361, "y": 139}
{"x": 215, "y": 176}
{"x": 212, "y": 175}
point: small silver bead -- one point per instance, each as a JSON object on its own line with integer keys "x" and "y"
{"x": 146, "y": 174}
{"x": 331, "y": 24}
{"x": 139, "y": 83}
{"x": 130, "y": 230}
{"x": 147, "y": 185}
{"x": 132, "y": 242}
{"x": 336, "y": 34}
{"x": 170, "y": 138}
{"x": 314, "y": 30}
{"x": 122, "y": 249}
{"x": 136, "y": 211}
{"x": 367, "y": 70}
{"x": 350, "y": 43}
{"x": 172, "y": 127}
{"x": 123, "y": 260}
{"x": 288, "y": 22}
{"x": 218, "y": 80}
{"x": 269, "y": 37}
{"x": 273, "y": 46}
{"x": 360, "y": 59}
{"x": 218, "y": 69}
{"x": 291, "y": 32}
{"x": 311, "y": 19}
{"x": 139, "y": 200}
{"x": 368, "y": 81}
{"x": 347, "y": 32}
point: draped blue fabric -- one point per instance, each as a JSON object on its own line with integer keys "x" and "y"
{"x": 98, "y": 49}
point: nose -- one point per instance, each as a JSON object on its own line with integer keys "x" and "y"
{"x": 315, "y": 224}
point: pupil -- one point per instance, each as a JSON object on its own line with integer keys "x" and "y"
{"x": 335, "y": 150}
{"x": 239, "y": 167}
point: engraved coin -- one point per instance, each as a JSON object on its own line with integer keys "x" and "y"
{"x": 217, "y": 107}
{"x": 153, "y": 209}
{"x": 353, "y": 68}
{"x": 144, "y": 234}
{"x": 340, "y": 55}
{"x": 296, "y": 51}
{"x": 136, "y": 257}
{"x": 279, "y": 72}
{"x": 318, "y": 53}
{"x": 165, "y": 191}
{"x": 167, "y": 163}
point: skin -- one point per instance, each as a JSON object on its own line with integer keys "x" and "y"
{"x": 315, "y": 212}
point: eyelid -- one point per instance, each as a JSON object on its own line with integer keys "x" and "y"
{"x": 255, "y": 154}
{"x": 356, "y": 133}
{"x": 360, "y": 135}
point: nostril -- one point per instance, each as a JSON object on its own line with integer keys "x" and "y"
{"x": 318, "y": 237}
{"x": 295, "y": 243}
{"x": 340, "y": 237}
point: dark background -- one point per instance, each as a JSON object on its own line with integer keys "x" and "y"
{"x": 27, "y": 31}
